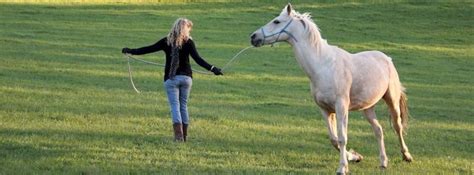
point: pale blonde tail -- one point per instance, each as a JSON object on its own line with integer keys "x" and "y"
{"x": 404, "y": 114}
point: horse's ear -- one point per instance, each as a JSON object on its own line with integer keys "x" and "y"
{"x": 289, "y": 9}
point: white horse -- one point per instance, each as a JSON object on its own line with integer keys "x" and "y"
{"x": 341, "y": 81}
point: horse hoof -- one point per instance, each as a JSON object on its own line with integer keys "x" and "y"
{"x": 407, "y": 157}
{"x": 356, "y": 156}
{"x": 343, "y": 170}
{"x": 383, "y": 165}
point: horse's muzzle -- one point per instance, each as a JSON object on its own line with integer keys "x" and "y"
{"x": 256, "y": 42}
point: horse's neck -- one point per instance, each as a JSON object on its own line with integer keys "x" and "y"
{"x": 312, "y": 56}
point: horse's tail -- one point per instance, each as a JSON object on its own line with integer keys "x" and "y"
{"x": 404, "y": 114}
{"x": 396, "y": 89}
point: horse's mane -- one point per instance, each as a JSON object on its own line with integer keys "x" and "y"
{"x": 311, "y": 28}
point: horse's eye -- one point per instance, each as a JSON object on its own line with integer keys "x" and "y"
{"x": 276, "y": 22}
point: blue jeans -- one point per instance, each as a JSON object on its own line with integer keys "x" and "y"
{"x": 178, "y": 90}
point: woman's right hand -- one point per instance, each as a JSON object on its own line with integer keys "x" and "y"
{"x": 126, "y": 50}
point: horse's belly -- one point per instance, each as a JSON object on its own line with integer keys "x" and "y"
{"x": 367, "y": 98}
{"x": 328, "y": 103}
{"x": 361, "y": 105}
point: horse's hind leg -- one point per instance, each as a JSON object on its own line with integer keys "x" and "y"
{"x": 393, "y": 102}
{"x": 371, "y": 117}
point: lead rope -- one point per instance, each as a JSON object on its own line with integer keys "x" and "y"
{"x": 235, "y": 56}
{"x": 130, "y": 73}
{"x": 129, "y": 57}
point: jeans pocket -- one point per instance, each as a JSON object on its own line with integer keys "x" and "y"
{"x": 187, "y": 81}
{"x": 169, "y": 83}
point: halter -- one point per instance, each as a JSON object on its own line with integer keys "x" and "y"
{"x": 279, "y": 33}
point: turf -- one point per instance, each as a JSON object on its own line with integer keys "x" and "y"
{"x": 66, "y": 105}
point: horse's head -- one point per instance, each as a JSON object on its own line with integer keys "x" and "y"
{"x": 279, "y": 29}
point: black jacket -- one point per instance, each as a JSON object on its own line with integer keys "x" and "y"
{"x": 187, "y": 49}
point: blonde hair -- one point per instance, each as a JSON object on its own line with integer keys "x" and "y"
{"x": 177, "y": 35}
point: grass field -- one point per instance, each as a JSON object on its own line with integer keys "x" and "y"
{"x": 66, "y": 105}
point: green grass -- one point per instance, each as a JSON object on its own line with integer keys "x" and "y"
{"x": 66, "y": 105}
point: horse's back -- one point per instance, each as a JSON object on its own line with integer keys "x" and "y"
{"x": 373, "y": 54}
{"x": 371, "y": 60}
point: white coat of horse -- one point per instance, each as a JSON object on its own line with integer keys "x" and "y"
{"x": 341, "y": 81}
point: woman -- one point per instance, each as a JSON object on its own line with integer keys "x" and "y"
{"x": 177, "y": 46}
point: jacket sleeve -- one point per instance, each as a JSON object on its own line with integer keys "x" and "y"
{"x": 149, "y": 49}
{"x": 197, "y": 58}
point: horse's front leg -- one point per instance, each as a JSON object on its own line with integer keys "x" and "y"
{"x": 330, "y": 119}
{"x": 331, "y": 123}
{"x": 342, "y": 111}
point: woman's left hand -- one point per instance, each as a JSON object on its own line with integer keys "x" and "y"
{"x": 216, "y": 71}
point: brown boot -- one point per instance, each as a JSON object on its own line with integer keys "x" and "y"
{"x": 178, "y": 132}
{"x": 185, "y": 131}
